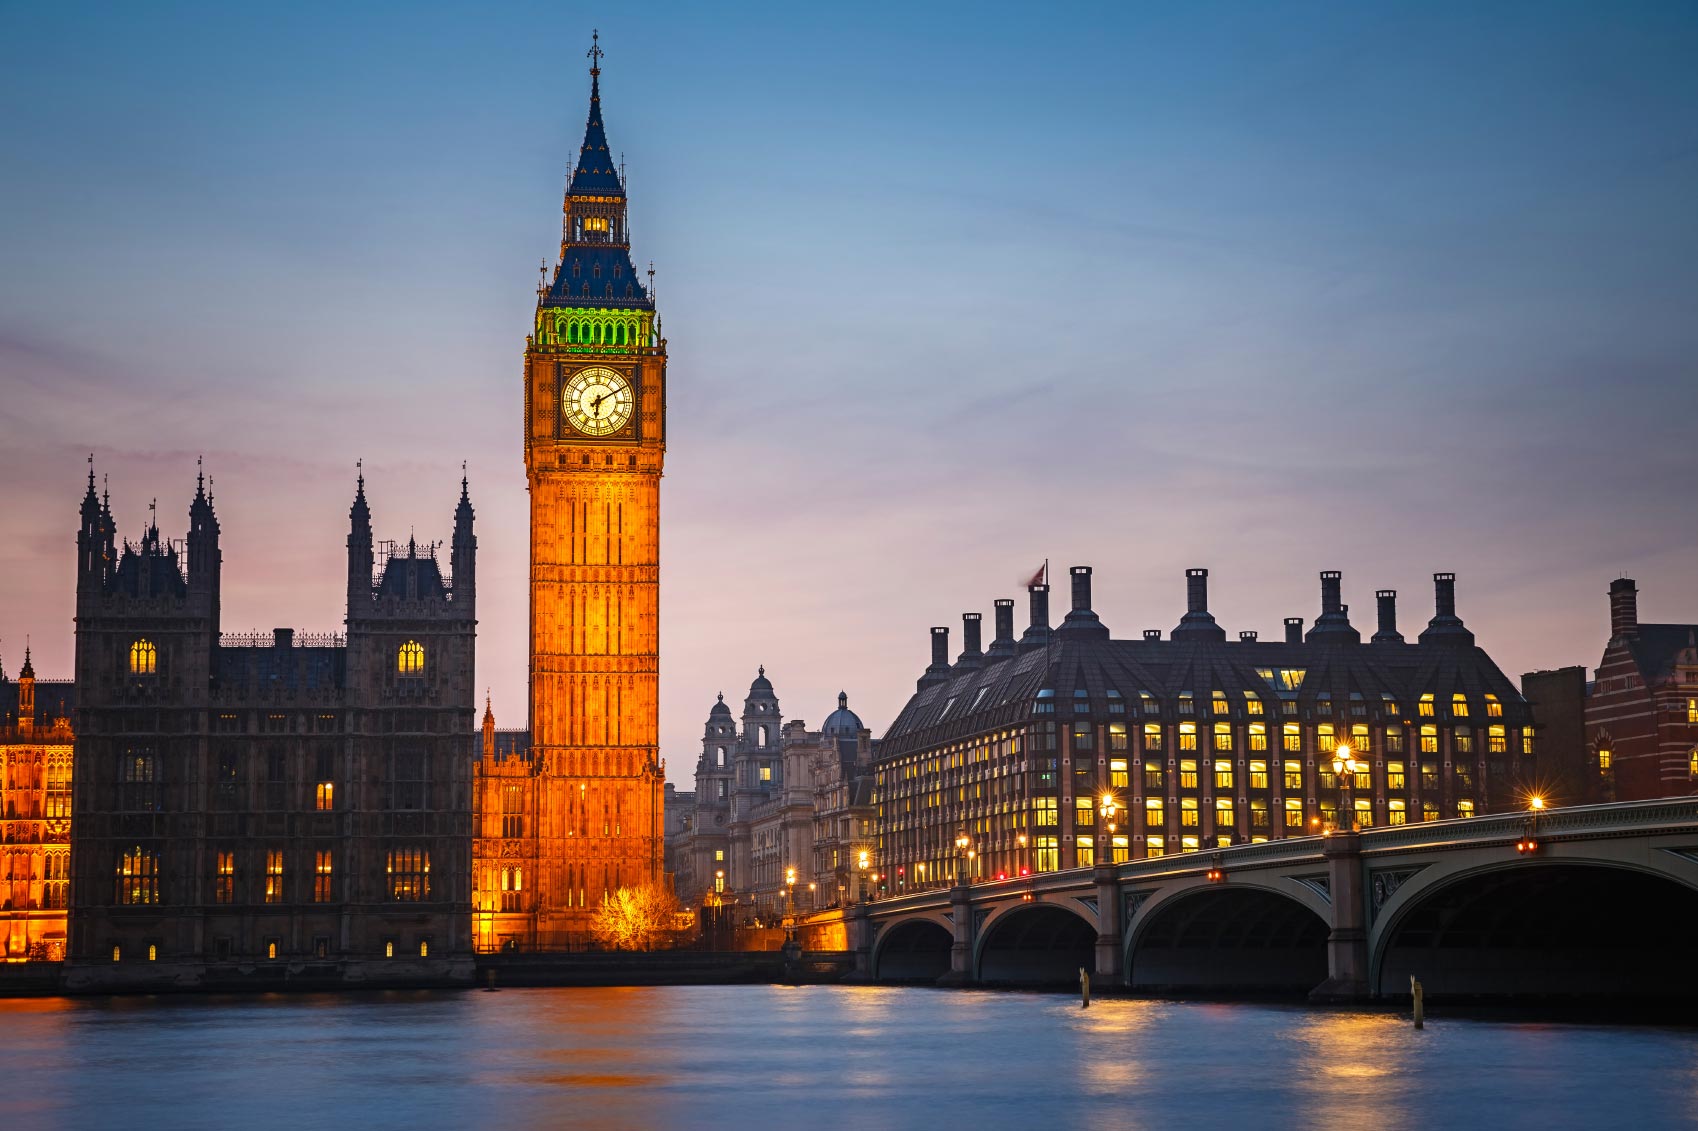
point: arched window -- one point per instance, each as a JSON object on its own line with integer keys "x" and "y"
{"x": 410, "y": 660}
{"x": 144, "y": 658}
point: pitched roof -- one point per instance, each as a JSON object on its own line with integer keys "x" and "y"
{"x": 1657, "y": 646}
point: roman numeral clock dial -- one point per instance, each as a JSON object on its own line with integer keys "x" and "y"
{"x": 597, "y": 401}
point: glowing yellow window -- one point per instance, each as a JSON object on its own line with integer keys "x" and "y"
{"x": 1252, "y": 703}
{"x": 1496, "y": 741}
{"x": 424, "y": 948}
{"x": 1396, "y": 777}
{"x": 1187, "y": 774}
{"x": 1527, "y": 741}
{"x": 595, "y": 223}
{"x": 274, "y": 877}
{"x": 1294, "y": 775}
{"x": 322, "y": 874}
{"x": 1188, "y": 812}
{"x": 1223, "y": 774}
{"x": 1397, "y": 812}
{"x": 1224, "y": 813}
{"x": 1429, "y": 739}
{"x": 1258, "y": 737}
{"x": 1494, "y": 709}
{"x": 1359, "y": 738}
{"x": 1293, "y": 813}
{"x": 1187, "y": 736}
{"x": 1258, "y": 775}
{"x": 1291, "y": 738}
{"x": 1459, "y": 706}
{"x": 1046, "y": 812}
{"x": 152, "y": 952}
{"x": 1465, "y": 808}
{"x": 1152, "y": 736}
{"x": 325, "y": 795}
{"x": 410, "y": 659}
{"x": 271, "y": 948}
{"x": 1692, "y": 763}
{"x": 1154, "y": 815}
{"x": 1325, "y": 739}
{"x": 1605, "y": 758}
{"x": 224, "y": 885}
{"x": 1117, "y": 774}
{"x": 389, "y": 948}
{"x": 1692, "y": 710}
{"x": 1425, "y": 706}
{"x": 1153, "y": 846}
{"x": 1218, "y": 704}
{"x": 117, "y": 954}
{"x": 144, "y": 658}
{"x": 1189, "y": 844}
{"x": 1223, "y": 736}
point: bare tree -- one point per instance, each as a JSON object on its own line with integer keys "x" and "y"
{"x": 642, "y": 918}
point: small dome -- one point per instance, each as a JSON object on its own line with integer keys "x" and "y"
{"x": 762, "y": 683}
{"x": 842, "y": 723}
{"x": 720, "y": 708}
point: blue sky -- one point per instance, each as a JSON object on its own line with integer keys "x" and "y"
{"x": 949, "y": 290}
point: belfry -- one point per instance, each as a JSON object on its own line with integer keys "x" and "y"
{"x": 576, "y": 815}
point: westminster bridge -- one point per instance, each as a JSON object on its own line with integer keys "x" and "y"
{"x": 1584, "y": 901}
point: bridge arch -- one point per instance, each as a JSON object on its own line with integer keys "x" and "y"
{"x": 915, "y": 949}
{"x": 1564, "y": 925}
{"x": 1035, "y": 944}
{"x": 1228, "y": 937}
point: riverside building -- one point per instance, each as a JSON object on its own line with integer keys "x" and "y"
{"x": 1201, "y": 741}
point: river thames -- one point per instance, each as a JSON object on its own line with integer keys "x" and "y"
{"x": 872, "y": 1057}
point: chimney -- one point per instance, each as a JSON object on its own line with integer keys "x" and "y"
{"x": 1038, "y": 633}
{"x": 1198, "y": 623}
{"x": 1387, "y": 633}
{"x": 938, "y": 672}
{"x": 1081, "y": 621}
{"x": 1333, "y": 625}
{"x": 1624, "y": 608}
{"x": 1446, "y": 627}
{"x": 1248, "y": 636}
{"x": 1003, "y": 644}
{"x": 1294, "y": 630}
{"x": 1152, "y": 634}
{"x": 971, "y": 655}
{"x": 283, "y": 637}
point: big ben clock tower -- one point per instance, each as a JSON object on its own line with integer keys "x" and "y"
{"x": 595, "y": 436}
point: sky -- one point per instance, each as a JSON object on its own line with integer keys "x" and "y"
{"x": 949, "y": 291}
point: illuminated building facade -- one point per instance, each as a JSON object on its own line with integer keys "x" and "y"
{"x": 251, "y": 810}
{"x": 775, "y": 797}
{"x": 595, "y": 413}
{"x": 1641, "y": 714}
{"x": 1201, "y": 741}
{"x": 35, "y": 814}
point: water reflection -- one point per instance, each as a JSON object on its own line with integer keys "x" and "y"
{"x": 866, "y": 1057}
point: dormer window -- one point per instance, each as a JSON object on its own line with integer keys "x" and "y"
{"x": 577, "y": 269}
{"x": 596, "y": 270}
{"x": 618, "y": 271}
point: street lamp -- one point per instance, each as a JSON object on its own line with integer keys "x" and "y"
{"x": 1021, "y": 841}
{"x": 861, "y": 862}
{"x": 1344, "y": 764}
{"x": 1107, "y": 807}
{"x": 790, "y": 901}
{"x": 963, "y": 853}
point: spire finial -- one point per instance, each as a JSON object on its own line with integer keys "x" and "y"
{"x": 360, "y": 472}
{"x": 200, "y": 474}
{"x": 462, "y": 477}
{"x": 91, "y": 471}
{"x": 595, "y": 53}
{"x": 153, "y": 514}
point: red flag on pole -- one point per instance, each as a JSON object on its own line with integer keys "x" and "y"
{"x": 1041, "y": 576}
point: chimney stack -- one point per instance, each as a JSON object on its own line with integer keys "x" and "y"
{"x": 1003, "y": 644}
{"x": 1333, "y": 625}
{"x": 1331, "y": 580}
{"x": 939, "y": 670}
{"x": 1248, "y": 636}
{"x": 1294, "y": 630}
{"x": 971, "y": 656}
{"x": 1152, "y": 634}
{"x": 1387, "y": 633}
{"x": 1198, "y": 623}
{"x": 1081, "y": 621}
{"x": 1624, "y": 608}
{"x": 1446, "y": 627}
{"x": 1038, "y": 632}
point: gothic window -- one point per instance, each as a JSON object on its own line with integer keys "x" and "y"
{"x": 512, "y": 811}
{"x": 138, "y": 877}
{"x": 576, "y": 270}
{"x": 144, "y": 658}
{"x": 409, "y": 874}
{"x": 610, "y": 290}
{"x": 224, "y": 878}
{"x": 323, "y": 870}
{"x": 410, "y": 659}
{"x": 591, "y": 223}
{"x": 274, "y": 875}
{"x": 586, "y": 290}
{"x": 512, "y": 883}
{"x": 139, "y": 792}
{"x": 407, "y": 780}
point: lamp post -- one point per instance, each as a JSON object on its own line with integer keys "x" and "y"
{"x": 1344, "y": 764}
{"x": 963, "y": 853}
{"x": 790, "y": 903}
{"x": 1107, "y": 807}
{"x": 1021, "y": 865}
{"x": 862, "y": 860}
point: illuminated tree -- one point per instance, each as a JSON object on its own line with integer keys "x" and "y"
{"x": 642, "y": 918}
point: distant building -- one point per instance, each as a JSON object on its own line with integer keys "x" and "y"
{"x": 1201, "y": 741}
{"x": 1641, "y": 714}
{"x": 1564, "y": 768}
{"x": 776, "y": 802}
{"x": 265, "y": 809}
{"x": 35, "y": 814}
{"x": 680, "y": 812}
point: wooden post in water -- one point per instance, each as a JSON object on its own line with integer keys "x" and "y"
{"x": 1084, "y": 989}
{"x": 489, "y": 980}
{"x": 1416, "y": 992}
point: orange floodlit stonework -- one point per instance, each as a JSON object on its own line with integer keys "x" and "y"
{"x": 35, "y": 816}
{"x": 572, "y": 814}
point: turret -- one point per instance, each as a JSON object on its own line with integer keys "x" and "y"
{"x": 205, "y": 558}
{"x": 94, "y": 540}
{"x": 361, "y": 561}
{"x": 26, "y": 694}
{"x": 463, "y": 561}
{"x": 488, "y": 729}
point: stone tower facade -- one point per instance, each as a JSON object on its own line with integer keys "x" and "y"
{"x": 595, "y": 412}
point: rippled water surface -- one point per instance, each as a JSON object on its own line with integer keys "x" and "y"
{"x": 875, "y": 1057}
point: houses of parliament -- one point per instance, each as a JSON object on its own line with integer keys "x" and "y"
{"x": 200, "y": 809}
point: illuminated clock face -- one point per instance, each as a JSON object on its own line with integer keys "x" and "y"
{"x": 597, "y": 401}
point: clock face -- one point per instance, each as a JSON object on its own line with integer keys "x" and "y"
{"x": 597, "y": 401}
